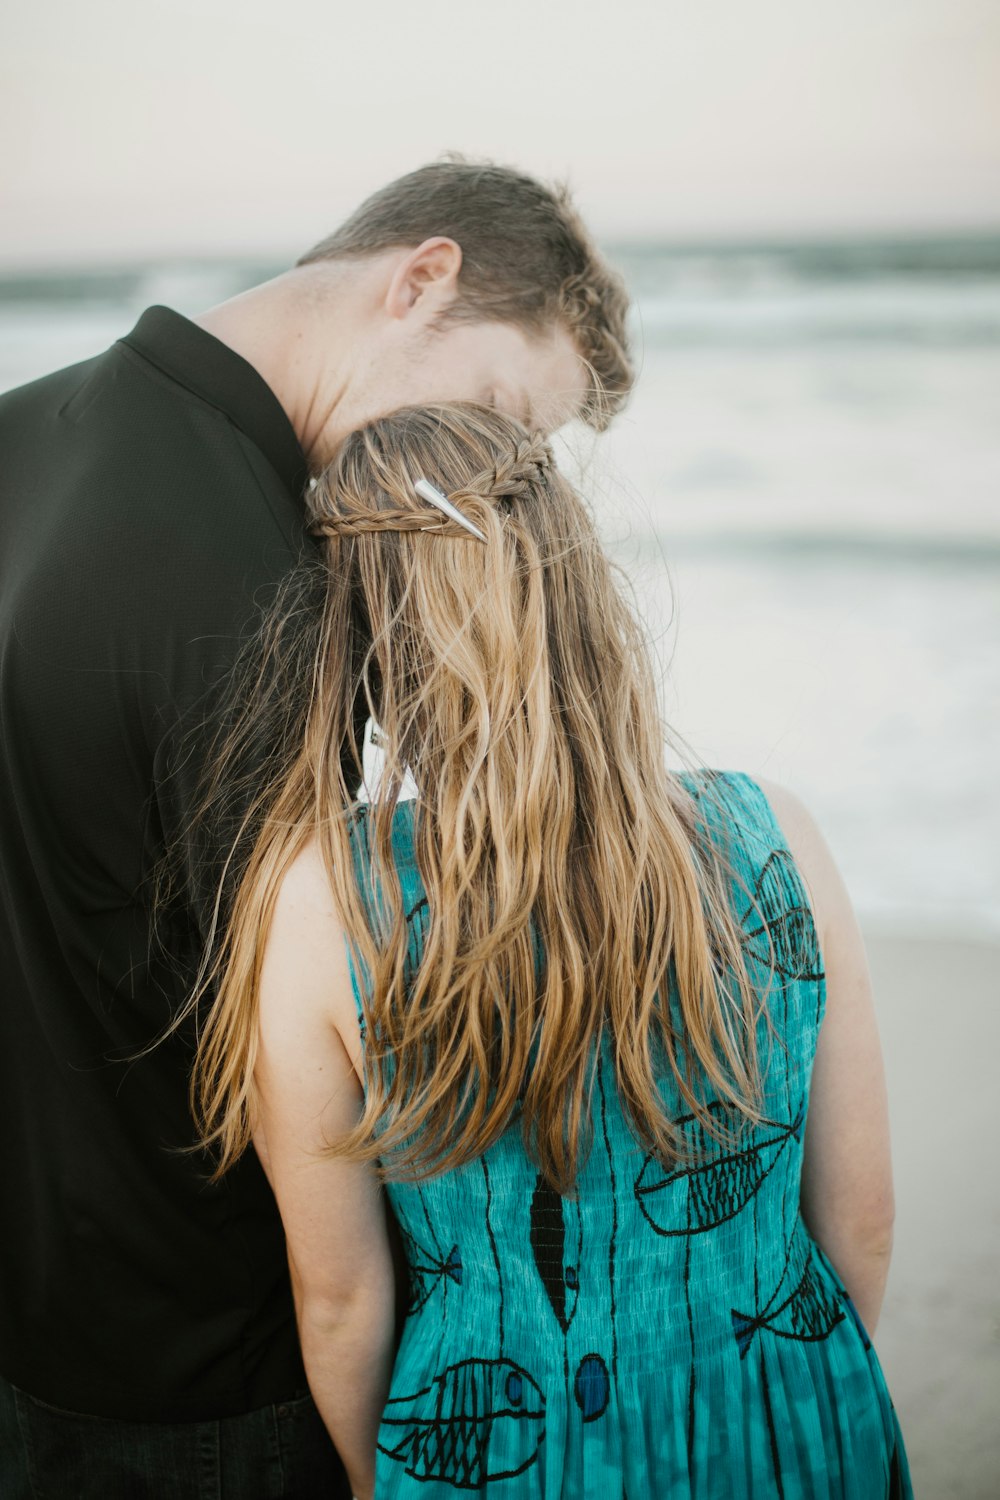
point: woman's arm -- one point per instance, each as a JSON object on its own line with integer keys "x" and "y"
{"x": 333, "y": 1211}
{"x": 847, "y": 1196}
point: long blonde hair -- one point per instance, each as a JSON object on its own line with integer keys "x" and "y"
{"x": 569, "y": 882}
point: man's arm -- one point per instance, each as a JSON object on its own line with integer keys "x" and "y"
{"x": 333, "y": 1212}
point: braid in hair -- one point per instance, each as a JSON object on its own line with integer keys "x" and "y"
{"x": 364, "y": 522}
{"x": 513, "y": 476}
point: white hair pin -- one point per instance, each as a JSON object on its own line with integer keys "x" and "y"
{"x": 428, "y": 491}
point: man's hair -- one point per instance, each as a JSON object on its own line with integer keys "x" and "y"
{"x": 527, "y": 259}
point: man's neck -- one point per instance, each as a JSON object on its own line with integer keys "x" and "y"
{"x": 274, "y": 328}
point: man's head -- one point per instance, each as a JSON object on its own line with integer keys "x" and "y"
{"x": 474, "y": 281}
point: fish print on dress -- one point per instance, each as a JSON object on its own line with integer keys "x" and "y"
{"x": 693, "y": 1199}
{"x": 592, "y": 1387}
{"x": 556, "y": 1238}
{"x": 479, "y": 1404}
{"x": 779, "y": 899}
{"x": 447, "y": 1431}
{"x": 556, "y": 1245}
{"x": 428, "y": 1270}
{"x": 810, "y": 1312}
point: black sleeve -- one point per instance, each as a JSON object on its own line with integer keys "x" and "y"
{"x": 234, "y": 723}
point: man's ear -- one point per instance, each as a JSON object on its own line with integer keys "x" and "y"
{"x": 426, "y": 277}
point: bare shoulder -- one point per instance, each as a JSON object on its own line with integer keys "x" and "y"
{"x": 305, "y": 887}
{"x": 305, "y": 967}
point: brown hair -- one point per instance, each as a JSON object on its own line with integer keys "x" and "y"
{"x": 527, "y": 259}
{"x": 571, "y": 891}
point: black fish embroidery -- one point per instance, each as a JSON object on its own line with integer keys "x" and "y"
{"x": 555, "y": 1236}
{"x": 693, "y": 1199}
{"x": 810, "y": 1313}
{"x": 780, "y": 909}
{"x": 429, "y": 1270}
{"x": 443, "y": 1431}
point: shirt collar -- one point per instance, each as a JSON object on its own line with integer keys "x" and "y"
{"x": 219, "y": 376}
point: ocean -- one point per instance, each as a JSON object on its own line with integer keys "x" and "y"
{"x": 804, "y": 493}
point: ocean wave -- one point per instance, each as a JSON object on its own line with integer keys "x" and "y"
{"x": 930, "y": 290}
{"x": 898, "y": 312}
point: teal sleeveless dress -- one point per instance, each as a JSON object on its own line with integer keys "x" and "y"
{"x": 663, "y": 1333}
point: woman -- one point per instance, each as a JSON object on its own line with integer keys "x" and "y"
{"x": 574, "y": 1010}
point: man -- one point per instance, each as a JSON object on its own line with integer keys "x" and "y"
{"x": 150, "y": 502}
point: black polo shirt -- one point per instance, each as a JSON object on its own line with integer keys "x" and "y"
{"x": 149, "y": 504}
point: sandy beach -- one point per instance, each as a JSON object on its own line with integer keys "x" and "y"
{"x": 939, "y": 1335}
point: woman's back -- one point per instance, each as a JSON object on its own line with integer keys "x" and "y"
{"x": 648, "y": 1329}
{"x": 663, "y": 1332}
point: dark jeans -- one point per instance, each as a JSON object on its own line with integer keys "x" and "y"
{"x": 280, "y": 1452}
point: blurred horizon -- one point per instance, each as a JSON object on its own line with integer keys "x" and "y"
{"x": 972, "y": 247}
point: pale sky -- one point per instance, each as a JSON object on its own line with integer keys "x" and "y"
{"x": 217, "y": 126}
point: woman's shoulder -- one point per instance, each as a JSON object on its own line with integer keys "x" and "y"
{"x": 769, "y": 818}
{"x": 778, "y": 817}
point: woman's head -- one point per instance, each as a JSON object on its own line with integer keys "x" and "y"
{"x": 565, "y": 876}
{"x": 470, "y": 652}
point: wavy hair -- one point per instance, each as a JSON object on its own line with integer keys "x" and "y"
{"x": 571, "y": 888}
